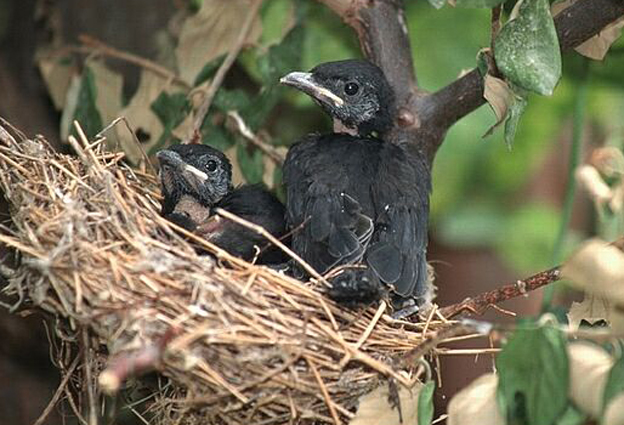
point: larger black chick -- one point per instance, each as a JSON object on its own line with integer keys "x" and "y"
{"x": 196, "y": 180}
{"x": 356, "y": 196}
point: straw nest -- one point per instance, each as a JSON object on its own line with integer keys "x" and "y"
{"x": 240, "y": 343}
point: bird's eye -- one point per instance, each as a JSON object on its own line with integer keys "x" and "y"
{"x": 211, "y": 165}
{"x": 351, "y": 88}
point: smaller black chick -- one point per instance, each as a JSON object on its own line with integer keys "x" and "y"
{"x": 197, "y": 179}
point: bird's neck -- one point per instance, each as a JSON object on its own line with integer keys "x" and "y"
{"x": 340, "y": 127}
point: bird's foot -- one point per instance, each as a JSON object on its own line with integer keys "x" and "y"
{"x": 356, "y": 287}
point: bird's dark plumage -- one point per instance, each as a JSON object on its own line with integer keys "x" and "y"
{"x": 361, "y": 198}
{"x": 196, "y": 180}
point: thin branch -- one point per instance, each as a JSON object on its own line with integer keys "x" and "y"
{"x": 480, "y": 303}
{"x": 87, "y": 365}
{"x": 262, "y": 231}
{"x": 92, "y": 44}
{"x": 59, "y": 391}
{"x": 200, "y": 116}
{"x": 242, "y": 128}
{"x": 424, "y": 119}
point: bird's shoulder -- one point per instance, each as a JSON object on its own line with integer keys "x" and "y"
{"x": 251, "y": 199}
{"x": 333, "y": 154}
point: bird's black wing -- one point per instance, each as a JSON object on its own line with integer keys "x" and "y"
{"x": 397, "y": 253}
{"x": 256, "y": 205}
{"x": 329, "y": 224}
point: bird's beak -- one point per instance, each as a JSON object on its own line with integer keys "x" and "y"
{"x": 304, "y": 81}
{"x": 174, "y": 161}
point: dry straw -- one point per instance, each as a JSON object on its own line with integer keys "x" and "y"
{"x": 241, "y": 343}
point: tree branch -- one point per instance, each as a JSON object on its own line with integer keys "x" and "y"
{"x": 423, "y": 118}
{"x": 480, "y": 303}
{"x": 575, "y": 25}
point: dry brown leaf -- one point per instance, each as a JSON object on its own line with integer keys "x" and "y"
{"x": 476, "y": 404}
{"x": 499, "y": 96}
{"x": 237, "y": 175}
{"x": 375, "y": 409}
{"x": 597, "y": 268}
{"x": 614, "y": 413}
{"x": 141, "y": 116}
{"x": 71, "y": 103}
{"x": 597, "y": 46}
{"x": 57, "y": 76}
{"x": 590, "y": 179}
{"x": 108, "y": 86}
{"x": 617, "y": 321}
{"x": 210, "y": 33}
{"x": 609, "y": 160}
{"x": 589, "y": 370}
{"x": 183, "y": 129}
{"x": 592, "y": 309}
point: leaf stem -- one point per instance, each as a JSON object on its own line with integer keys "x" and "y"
{"x": 578, "y": 119}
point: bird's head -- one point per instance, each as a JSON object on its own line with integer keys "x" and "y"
{"x": 199, "y": 171}
{"x": 353, "y": 92}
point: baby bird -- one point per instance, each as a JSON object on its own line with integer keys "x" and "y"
{"x": 359, "y": 199}
{"x": 196, "y": 180}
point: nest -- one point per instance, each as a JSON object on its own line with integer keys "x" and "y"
{"x": 240, "y": 343}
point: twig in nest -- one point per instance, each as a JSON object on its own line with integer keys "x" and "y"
{"x": 262, "y": 231}
{"x": 91, "y": 44}
{"x": 127, "y": 364}
{"x": 87, "y": 377}
{"x": 135, "y": 139}
{"x": 223, "y": 69}
{"x": 323, "y": 388}
{"x": 480, "y": 303}
{"x": 59, "y": 392}
{"x": 436, "y": 338}
{"x": 246, "y": 132}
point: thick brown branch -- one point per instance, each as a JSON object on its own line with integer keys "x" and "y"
{"x": 480, "y": 303}
{"x": 574, "y": 25}
{"x": 424, "y": 119}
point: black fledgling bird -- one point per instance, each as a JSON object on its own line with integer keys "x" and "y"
{"x": 197, "y": 179}
{"x": 360, "y": 197}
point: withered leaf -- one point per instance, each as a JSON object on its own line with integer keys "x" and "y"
{"x": 210, "y": 33}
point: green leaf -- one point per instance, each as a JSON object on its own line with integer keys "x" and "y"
{"x": 478, "y": 3}
{"x": 216, "y": 136}
{"x": 231, "y": 100}
{"x": 572, "y": 416}
{"x": 527, "y": 49}
{"x": 483, "y": 63}
{"x": 171, "y": 109}
{"x": 437, "y": 3}
{"x": 209, "y": 70}
{"x": 86, "y": 112}
{"x": 533, "y": 376}
{"x": 515, "y": 111}
{"x": 615, "y": 382}
{"x": 425, "y": 403}
{"x": 278, "y": 61}
{"x": 277, "y": 16}
{"x": 251, "y": 163}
